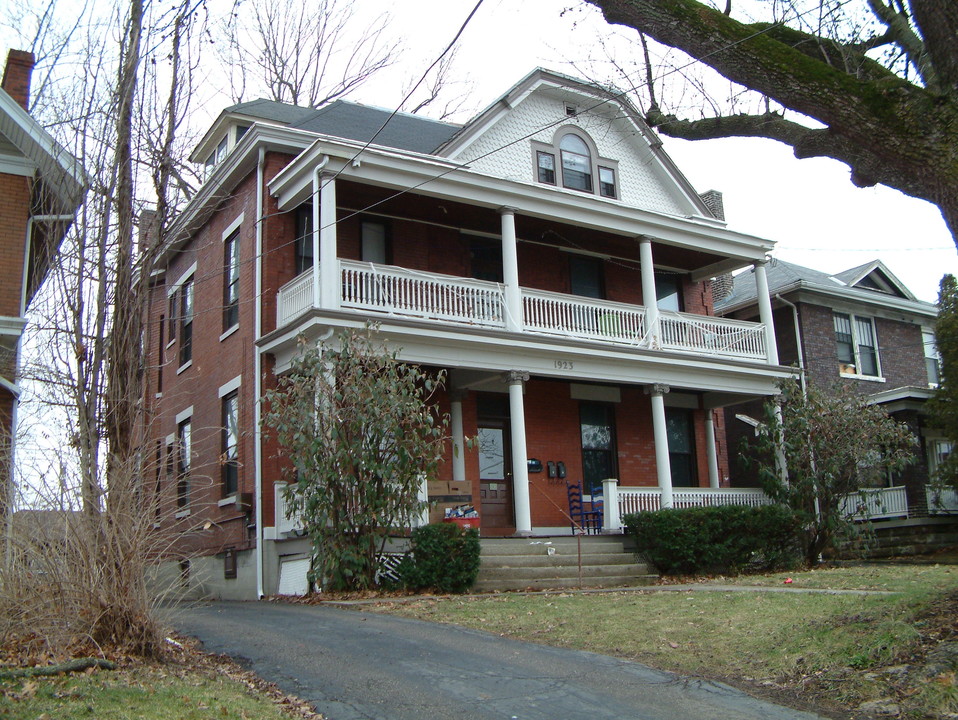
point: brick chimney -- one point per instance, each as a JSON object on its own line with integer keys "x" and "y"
{"x": 16, "y": 76}
{"x": 713, "y": 201}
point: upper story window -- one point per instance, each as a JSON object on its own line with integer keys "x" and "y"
{"x": 231, "y": 273}
{"x": 856, "y": 345}
{"x": 186, "y": 322}
{"x": 586, "y": 277}
{"x": 579, "y": 166}
{"x": 304, "y": 238}
{"x": 932, "y": 357}
{"x": 576, "y": 163}
{"x": 229, "y": 458}
{"x": 668, "y": 292}
{"x": 184, "y": 447}
{"x": 374, "y": 242}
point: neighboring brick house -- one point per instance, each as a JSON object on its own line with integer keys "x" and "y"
{"x": 861, "y": 327}
{"x": 41, "y": 186}
{"x": 547, "y": 255}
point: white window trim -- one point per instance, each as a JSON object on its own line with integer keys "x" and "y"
{"x": 855, "y": 345}
{"x": 597, "y": 161}
{"x": 190, "y": 271}
{"x": 232, "y": 227}
{"x": 227, "y": 333}
{"x": 226, "y": 388}
{"x": 184, "y": 367}
{"x": 181, "y": 416}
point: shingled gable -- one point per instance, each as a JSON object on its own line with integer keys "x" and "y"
{"x": 496, "y": 140}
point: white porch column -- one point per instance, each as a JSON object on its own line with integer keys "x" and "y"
{"x": 649, "y": 297}
{"x": 663, "y": 467}
{"x": 423, "y": 495}
{"x": 765, "y": 311}
{"x": 458, "y": 440}
{"x": 710, "y": 451}
{"x": 611, "y": 521}
{"x": 520, "y": 470}
{"x": 330, "y": 283}
{"x": 510, "y": 270}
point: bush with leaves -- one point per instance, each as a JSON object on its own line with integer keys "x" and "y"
{"x": 361, "y": 433}
{"x": 716, "y": 539}
{"x": 833, "y": 443}
{"x": 943, "y": 407}
{"x": 443, "y": 557}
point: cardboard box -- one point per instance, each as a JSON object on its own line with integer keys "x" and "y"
{"x": 462, "y": 487}
{"x": 438, "y": 487}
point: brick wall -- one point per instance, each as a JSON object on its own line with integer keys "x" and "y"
{"x": 16, "y": 76}
{"x": 14, "y": 213}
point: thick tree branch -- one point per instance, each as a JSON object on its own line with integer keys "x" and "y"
{"x": 938, "y": 22}
{"x": 912, "y": 45}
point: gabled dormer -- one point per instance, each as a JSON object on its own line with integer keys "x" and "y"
{"x": 874, "y": 276}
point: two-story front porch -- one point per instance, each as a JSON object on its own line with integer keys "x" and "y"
{"x": 556, "y": 385}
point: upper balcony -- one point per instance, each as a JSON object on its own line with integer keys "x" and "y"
{"x": 386, "y": 291}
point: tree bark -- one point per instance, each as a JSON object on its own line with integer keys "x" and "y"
{"x": 886, "y": 129}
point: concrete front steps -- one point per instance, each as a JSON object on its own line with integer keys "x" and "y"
{"x": 525, "y": 564}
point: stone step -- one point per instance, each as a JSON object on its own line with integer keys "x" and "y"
{"x": 567, "y": 583}
{"x": 559, "y": 559}
{"x": 521, "y": 574}
{"x": 522, "y": 546}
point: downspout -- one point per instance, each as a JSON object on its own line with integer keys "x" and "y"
{"x": 798, "y": 338}
{"x": 258, "y": 372}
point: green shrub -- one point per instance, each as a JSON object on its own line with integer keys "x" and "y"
{"x": 715, "y": 539}
{"x": 442, "y": 556}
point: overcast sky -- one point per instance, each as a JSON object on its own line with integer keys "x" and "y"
{"x": 808, "y": 207}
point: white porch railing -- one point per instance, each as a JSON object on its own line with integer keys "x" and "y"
{"x": 713, "y": 336}
{"x": 398, "y": 291}
{"x": 552, "y": 313}
{"x": 941, "y": 501}
{"x": 294, "y": 298}
{"x": 408, "y": 293}
{"x": 875, "y": 503}
{"x": 638, "y": 499}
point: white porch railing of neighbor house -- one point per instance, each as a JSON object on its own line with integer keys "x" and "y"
{"x": 623, "y": 500}
{"x": 411, "y": 293}
{"x": 941, "y": 500}
{"x": 398, "y": 291}
{"x": 552, "y": 313}
{"x": 718, "y": 336}
{"x": 875, "y": 503}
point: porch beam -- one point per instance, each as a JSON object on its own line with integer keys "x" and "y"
{"x": 510, "y": 270}
{"x": 710, "y": 449}
{"x": 458, "y": 436}
{"x": 765, "y": 311}
{"x": 649, "y": 294}
{"x": 663, "y": 466}
{"x": 520, "y": 470}
{"x": 330, "y": 288}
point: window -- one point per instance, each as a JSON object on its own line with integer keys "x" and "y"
{"x": 186, "y": 322}
{"x": 598, "y": 445}
{"x": 607, "y": 182}
{"x": 229, "y": 459}
{"x": 932, "y": 358}
{"x": 485, "y": 259}
{"x": 585, "y": 277}
{"x": 938, "y": 452}
{"x": 231, "y": 271}
{"x": 546, "y": 162}
{"x": 304, "y": 238}
{"x": 374, "y": 246}
{"x": 668, "y": 291}
{"x": 856, "y": 345}
{"x": 678, "y": 423}
{"x": 161, "y": 350}
{"x": 184, "y": 451}
{"x": 173, "y": 315}
{"x": 576, "y": 163}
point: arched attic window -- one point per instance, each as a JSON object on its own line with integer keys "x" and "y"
{"x": 579, "y": 164}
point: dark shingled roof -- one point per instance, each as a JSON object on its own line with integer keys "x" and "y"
{"x": 352, "y": 121}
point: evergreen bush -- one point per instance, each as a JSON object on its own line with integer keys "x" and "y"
{"x": 443, "y": 557}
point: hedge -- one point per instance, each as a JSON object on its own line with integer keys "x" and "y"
{"x": 443, "y": 557}
{"x": 728, "y": 538}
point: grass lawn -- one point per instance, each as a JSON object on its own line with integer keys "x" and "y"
{"x": 155, "y": 692}
{"x": 814, "y": 642}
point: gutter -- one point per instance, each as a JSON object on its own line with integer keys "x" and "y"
{"x": 258, "y": 371}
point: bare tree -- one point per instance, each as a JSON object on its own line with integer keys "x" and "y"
{"x": 306, "y": 54}
{"x": 880, "y": 76}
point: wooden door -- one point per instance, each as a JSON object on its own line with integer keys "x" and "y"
{"x": 495, "y": 481}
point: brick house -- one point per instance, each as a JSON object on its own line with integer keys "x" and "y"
{"x": 861, "y": 327}
{"x": 547, "y": 255}
{"x": 41, "y": 186}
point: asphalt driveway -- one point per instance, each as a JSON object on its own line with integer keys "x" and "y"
{"x": 361, "y": 666}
